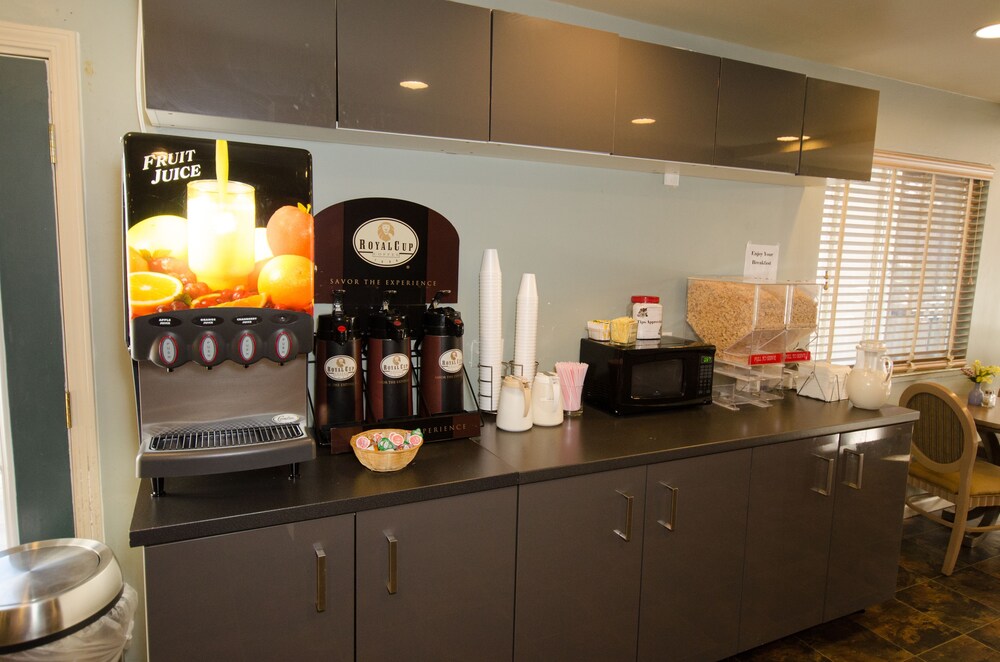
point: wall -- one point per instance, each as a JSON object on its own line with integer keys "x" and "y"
{"x": 592, "y": 236}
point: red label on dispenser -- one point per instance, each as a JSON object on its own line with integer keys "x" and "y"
{"x": 764, "y": 359}
{"x": 795, "y": 357}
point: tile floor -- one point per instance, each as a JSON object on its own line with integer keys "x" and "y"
{"x": 933, "y": 618}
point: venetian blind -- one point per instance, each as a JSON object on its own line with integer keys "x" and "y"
{"x": 899, "y": 256}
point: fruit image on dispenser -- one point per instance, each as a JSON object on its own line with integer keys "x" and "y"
{"x": 217, "y": 256}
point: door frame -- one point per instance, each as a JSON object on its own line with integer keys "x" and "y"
{"x": 60, "y": 49}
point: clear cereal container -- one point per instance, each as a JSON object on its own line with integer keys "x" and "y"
{"x": 745, "y": 320}
{"x": 803, "y": 311}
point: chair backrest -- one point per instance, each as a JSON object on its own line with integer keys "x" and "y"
{"x": 944, "y": 437}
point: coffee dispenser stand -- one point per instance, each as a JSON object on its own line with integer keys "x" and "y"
{"x": 436, "y": 427}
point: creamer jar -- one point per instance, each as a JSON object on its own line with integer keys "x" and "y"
{"x": 647, "y": 311}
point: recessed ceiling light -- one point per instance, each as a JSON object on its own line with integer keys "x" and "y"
{"x": 791, "y": 139}
{"x": 644, "y": 120}
{"x": 414, "y": 84}
{"x": 989, "y": 32}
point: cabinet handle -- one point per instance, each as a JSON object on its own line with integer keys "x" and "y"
{"x": 856, "y": 484}
{"x": 670, "y": 524}
{"x": 829, "y": 476}
{"x": 627, "y": 535}
{"x": 320, "y": 577}
{"x": 391, "y": 584}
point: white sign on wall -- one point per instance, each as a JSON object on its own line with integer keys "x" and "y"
{"x": 761, "y": 263}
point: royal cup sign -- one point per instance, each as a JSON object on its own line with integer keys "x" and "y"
{"x": 370, "y": 245}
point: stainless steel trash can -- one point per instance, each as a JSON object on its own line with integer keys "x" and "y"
{"x": 63, "y": 599}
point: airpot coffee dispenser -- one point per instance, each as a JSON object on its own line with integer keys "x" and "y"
{"x": 339, "y": 388}
{"x": 442, "y": 381}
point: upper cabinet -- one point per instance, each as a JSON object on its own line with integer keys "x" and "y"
{"x": 666, "y": 104}
{"x": 553, "y": 84}
{"x": 242, "y": 60}
{"x": 420, "y": 67}
{"x": 404, "y": 73}
{"x": 760, "y": 117}
{"x": 838, "y": 132}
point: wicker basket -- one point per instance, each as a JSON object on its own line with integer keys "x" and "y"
{"x": 377, "y": 460}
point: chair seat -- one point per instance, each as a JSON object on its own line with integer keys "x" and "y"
{"x": 985, "y": 479}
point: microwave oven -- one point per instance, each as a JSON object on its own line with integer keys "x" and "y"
{"x": 647, "y": 376}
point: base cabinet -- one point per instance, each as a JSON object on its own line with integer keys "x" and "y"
{"x": 435, "y": 579}
{"x": 283, "y": 592}
{"x": 579, "y": 557}
{"x": 692, "y": 562}
{"x": 692, "y": 559}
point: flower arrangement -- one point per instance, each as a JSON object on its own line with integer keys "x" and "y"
{"x": 979, "y": 373}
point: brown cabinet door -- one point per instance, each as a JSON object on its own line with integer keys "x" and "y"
{"x": 788, "y": 538}
{"x": 579, "y": 559}
{"x": 553, "y": 84}
{"x": 244, "y": 59}
{"x": 666, "y": 103}
{"x": 387, "y": 48}
{"x": 867, "y": 519}
{"x": 435, "y": 579}
{"x": 692, "y": 562}
{"x": 838, "y": 130}
{"x": 760, "y": 117}
{"x": 254, "y": 595}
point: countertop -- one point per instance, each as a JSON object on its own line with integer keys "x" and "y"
{"x": 330, "y": 485}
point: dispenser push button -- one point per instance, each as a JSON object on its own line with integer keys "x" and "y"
{"x": 167, "y": 351}
{"x": 246, "y": 347}
{"x": 208, "y": 350}
{"x": 283, "y": 345}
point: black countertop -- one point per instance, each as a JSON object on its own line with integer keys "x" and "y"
{"x": 336, "y": 484}
{"x": 597, "y": 441}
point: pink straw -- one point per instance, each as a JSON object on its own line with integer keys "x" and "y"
{"x": 571, "y": 376}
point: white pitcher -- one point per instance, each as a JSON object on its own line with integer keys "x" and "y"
{"x": 514, "y": 410}
{"x": 546, "y": 399}
{"x": 870, "y": 380}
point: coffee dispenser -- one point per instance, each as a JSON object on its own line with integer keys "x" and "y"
{"x": 389, "y": 370}
{"x": 442, "y": 380}
{"x": 339, "y": 389}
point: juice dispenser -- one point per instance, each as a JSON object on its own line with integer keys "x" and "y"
{"x": 219, "y": 324}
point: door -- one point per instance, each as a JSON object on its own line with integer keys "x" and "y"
{"x": 33, "y": 362}
{"x": 579, "y": 560}
{"x": 279, "y": 593}
{"x": 867, "y": 518}
{"x": 692, "y": 561}
{"x": 788, "y": 538}
{"x": 435, "y": 579}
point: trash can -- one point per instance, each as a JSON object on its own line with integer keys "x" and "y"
{"x": 64, "y": 599}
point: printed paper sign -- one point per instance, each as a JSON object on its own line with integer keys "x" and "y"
{"x": 761, "y": 263}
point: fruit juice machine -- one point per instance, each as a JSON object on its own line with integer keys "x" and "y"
{"x": 219, "y": 288}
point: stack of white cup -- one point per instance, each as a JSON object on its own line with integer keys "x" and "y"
{"x": 526, "y": 329}
{"x": 490, "y": 331}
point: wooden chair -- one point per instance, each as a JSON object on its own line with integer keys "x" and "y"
{"x": 944, "y": 464}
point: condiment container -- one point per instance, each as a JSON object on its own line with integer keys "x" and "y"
{"x": 648, "y": 314}
{"x": 623, "y": 330}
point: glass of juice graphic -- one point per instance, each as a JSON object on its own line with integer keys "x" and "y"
{"x": 220, "y": 221}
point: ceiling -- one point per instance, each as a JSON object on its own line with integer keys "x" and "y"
{"x": 926, "y": 42}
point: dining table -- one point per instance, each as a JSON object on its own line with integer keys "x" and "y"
{"x": 988, "y": 426}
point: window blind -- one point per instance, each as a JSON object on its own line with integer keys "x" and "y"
{"x": 898, "y": 258}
